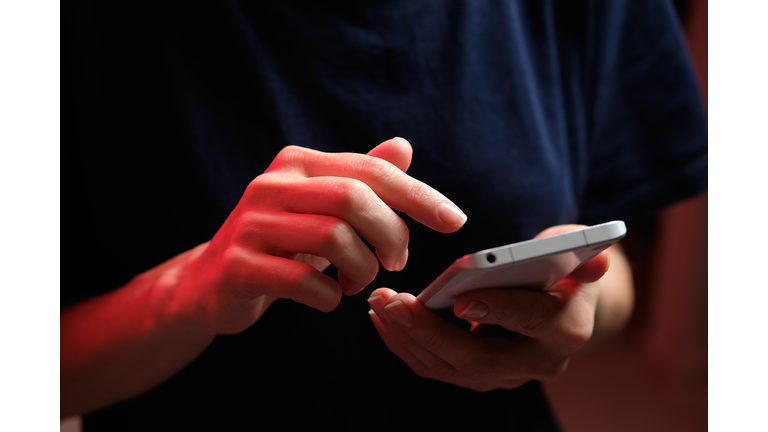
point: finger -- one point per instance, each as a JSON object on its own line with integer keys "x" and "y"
{"x": 329, "y": 237}
{"x": 260, "y": 274}
{"x": 378, "y": 299}
{"x": 377, "y": 302}
{"x": 563, "y": 326}
{"x": 397, "y": 189}
{"x": 424, "y": 363}
{"x": 419, "y": 329}
{"x": 396, "y": 151}
{"x": 593, "y": 269}
{"x": 406, "y": 356}
{"x": 527, "y": 312}
{"x": 501, "y": 363}
{"x": 452, "y": 354}
{"x": 349, "y": 200}
{"x": 433, "y": 372}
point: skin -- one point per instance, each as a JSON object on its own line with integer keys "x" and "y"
{"x": 294, "y": 220}
{"x": 516, "y": 335}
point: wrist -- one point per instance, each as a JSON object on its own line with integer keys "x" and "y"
{"x": 177, "y": 294}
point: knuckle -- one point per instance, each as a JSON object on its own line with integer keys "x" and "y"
{"x": 375, "y": 169}
{"x": 288, "y": 154}
{"x": 303, "y": 286}
{"x": 287, "y": 158}
{"x": 262, "y": 184}
{"x": 432, "y": 341}
{"x": 256, "y": 185}
{"x": 499, "y": 315}
{"x": 527, "y": 320}
{"x": 248, "y": 229}
{"x": 336, "y": 235}
{"x": 301, "y": 278}
{"x": 249, "y": 221}
{"x": 351, "y": 194}
{"x": 418, "y": 191}
{"x": 233, "y": 262}
{"x": 406, "y": 342}
{"x": 538, "y": 315}
{"x": 531, "y": 322}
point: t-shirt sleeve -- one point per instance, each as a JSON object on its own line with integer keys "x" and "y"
{"x": 648, "y": 126}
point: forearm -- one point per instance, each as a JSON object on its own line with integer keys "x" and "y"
{"x": 615, "y": 299}
{"x": 125, "y": 342}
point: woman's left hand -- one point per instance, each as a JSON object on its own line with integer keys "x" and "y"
{"x": 516, "y": 335}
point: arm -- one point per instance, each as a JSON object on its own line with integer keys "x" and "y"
{"x": 517, "y": 334}
{"x": 127, "y": 341}
{"x": 303, "y": 213}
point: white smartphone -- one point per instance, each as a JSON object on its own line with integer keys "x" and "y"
{"x": 537, "y": 263}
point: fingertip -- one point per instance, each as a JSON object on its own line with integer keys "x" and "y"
{"x": 348, "y": 286}
{"x": 403, "y": 260}
{"x": 406, "y": 298}
{"x": 392, "y": 264}
{"x": 385, "y": 293}
{"x": 402, "y": 144}
{"x": 397, "y": 151}
{"x": 330, "y": 305}
{"x": 449, "y": 214}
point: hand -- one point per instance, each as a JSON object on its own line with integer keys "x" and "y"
{"x": 516, "y": 334}
{"x": 303, "y": 213}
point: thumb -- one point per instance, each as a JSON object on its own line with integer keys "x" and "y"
{"x": 396, "y": 151}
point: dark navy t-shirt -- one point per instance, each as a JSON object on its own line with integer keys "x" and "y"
{"x": 525, "y": 114}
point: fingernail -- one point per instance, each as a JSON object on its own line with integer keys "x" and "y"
{"x": 451, "y": 215}
{"x": 375, "y": 303}
{"x": 401, "y": 264}
{"x": 475, "y": 310}
{"x": 400, "y": 313}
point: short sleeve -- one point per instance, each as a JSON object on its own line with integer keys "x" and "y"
{"x": 648, "y": 126}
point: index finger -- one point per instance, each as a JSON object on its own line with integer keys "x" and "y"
{"x": 396, "y": 188}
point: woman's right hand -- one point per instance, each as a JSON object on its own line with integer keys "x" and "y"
{"x": 303, "y": 213}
